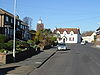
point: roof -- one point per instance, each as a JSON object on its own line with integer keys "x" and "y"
{"x": 88, "y": 33}
{"x": 98, "y": 29}
{"x": 23, "y": 23}
{"x": 2, "y": 11}
{"x": 68, "y": 30}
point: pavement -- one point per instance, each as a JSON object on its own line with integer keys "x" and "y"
{"x": 27, "y": 66}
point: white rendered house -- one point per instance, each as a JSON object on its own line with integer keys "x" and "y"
{"x": 68, "y": 35}
{"x": 89, "y": 38}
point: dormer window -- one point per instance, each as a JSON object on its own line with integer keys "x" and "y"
{"x": 71, "y": 32}
{"x": 58, "y": 32}
{"x": 64, "y": 32}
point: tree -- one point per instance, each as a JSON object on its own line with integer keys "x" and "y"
{"x": 45, "y": 37}
{"x": 28, "y": 21}
{"x": 32, "y": 33}
{"x": 30, "y": 42}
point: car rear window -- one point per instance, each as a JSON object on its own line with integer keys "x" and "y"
{"x": 61, "y": 44}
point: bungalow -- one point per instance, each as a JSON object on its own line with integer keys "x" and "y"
{"x": 89, "y": 36}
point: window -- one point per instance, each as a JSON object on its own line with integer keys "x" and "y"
{"x": 71, "y": 32}
{"x": 17, "y": 29}
{"x": 98, "y": 39}
{"x": 7, "y": 19}
{"x": 21, "y": 26}
{"x": 58, "y": 32}
{"x": 60, "y": 39}
{"x": 64, "y": 32}
{"x": 18, "y": 22}
{"x": 11, "y": 20}
{"x": 25, "y": 27}
{"x": 71, "y": 39}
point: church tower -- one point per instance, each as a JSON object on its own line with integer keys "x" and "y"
{"x": 40, "y": 25}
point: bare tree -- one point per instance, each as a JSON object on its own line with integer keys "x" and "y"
{"x": 28, "y": 20}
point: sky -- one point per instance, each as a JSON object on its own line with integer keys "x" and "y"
{"x": 83, "y": 14}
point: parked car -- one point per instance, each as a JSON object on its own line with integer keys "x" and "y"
{"x": 61, "y": 46}
{"x": 83, "y": 42}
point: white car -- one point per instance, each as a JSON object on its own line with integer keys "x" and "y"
{"x": 61, "y": 46}
{"x": 83, "y": 42}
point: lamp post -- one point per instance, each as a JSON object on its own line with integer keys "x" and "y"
{"x": 14, "y": 31}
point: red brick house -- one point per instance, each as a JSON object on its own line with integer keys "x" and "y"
{"x": 40, "y": 25}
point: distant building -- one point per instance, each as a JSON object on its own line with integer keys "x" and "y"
{"x": 89, "y": 36}
{"x": 98, "y": 31}
{"x": 97, "y": 43}
{"x": 7, "y": 26}
{"x": 40, "y": 25}
{"x": 68, "y": 35}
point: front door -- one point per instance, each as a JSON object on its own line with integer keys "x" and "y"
{"x": 64, "y": 40}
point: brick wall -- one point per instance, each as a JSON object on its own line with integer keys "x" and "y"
{"x": 20, "y": 56}
{"x": 0, "y": 20}
{"x": 8, "y": 58}
{"x": 97, "y": 41}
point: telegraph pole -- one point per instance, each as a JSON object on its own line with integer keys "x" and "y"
{"x": 14, "y": 40}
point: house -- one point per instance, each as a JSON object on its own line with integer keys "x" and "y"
{"x": 68, "y": 35}
{"x": 97, "y": 43}
{"x": 7, "y": 26}
{"x": 89, "y": 36}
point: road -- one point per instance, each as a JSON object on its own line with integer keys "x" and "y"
{"x": 77, "y": 60}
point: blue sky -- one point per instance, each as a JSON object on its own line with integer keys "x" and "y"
{"x": 83, "y": 14}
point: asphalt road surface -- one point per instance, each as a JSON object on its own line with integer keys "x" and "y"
{"x": 77, "y": 60}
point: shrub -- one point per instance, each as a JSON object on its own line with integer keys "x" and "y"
{"x": 3, "y": 45}
{"x": 22, "y": 44}
{"x": 2, "y": 38}
{"x": 9, "y": 45}
{"x": 30, "y": 42}
{"x": 37, "y": 41}
{"x": 3, "y": 51}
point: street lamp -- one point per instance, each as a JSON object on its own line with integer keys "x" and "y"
{"x": 14, "y": 31}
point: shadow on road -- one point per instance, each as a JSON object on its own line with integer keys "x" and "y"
{"x": 4, "y": 71}
{"x": 64, "y": 50}
{"x": 68, "y": 49}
